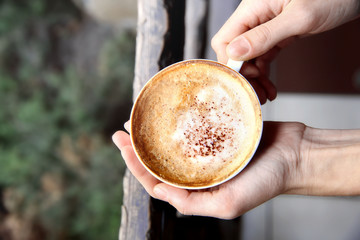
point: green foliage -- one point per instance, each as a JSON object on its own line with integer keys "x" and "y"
{"x": 19, "y": 12}
{"x": 57, "y": 165}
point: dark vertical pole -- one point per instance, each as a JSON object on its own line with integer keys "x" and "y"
{"x": 174, "y": 38}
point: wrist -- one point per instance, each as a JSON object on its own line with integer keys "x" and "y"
{"x": 328, "y": 163}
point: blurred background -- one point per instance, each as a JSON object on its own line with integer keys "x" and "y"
{"x": 66, "y": 72}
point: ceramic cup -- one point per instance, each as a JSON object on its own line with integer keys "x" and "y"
{"x": 196, "y": 123}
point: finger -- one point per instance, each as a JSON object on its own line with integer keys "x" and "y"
{"x": 263, "y": 62}
{"x": 250, "y": 70}
{"x": 122, "y": 141}
{"x": 272, "y": 53}
{"x": 262, "y": 38}
{"x": 260, "y": 92}
{"x": 127, "y": 126}
{"x": 147, "y": 180}
{"x": 237, "y": 24}
{"x": 269, "y": 87}
{"x": 201, "y": 203}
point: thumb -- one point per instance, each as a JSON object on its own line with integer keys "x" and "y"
{"x": 259, "y": 40}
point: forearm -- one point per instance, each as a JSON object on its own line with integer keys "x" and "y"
{"x": 329, "y": 163}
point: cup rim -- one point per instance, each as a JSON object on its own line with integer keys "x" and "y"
{"x": 213, "y": 184}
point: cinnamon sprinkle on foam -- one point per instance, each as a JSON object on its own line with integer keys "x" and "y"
{"x": 209, "y": 126}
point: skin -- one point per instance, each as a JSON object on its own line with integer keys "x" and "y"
{"x": 292, "y": 158}
{"x": 259, "y": 29}
{"x": 238, "y": 195}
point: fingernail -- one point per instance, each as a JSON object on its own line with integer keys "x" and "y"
{"x": 113, "y": 138}
{"x": 238, "y": 48}
{"x": 160, "y": 193}
{"x": 115, "y": 141}
{"x": 127, "y": 126}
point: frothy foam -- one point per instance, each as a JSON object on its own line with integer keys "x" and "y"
{"x": 211, "y": 129}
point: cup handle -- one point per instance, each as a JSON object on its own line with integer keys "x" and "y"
{"x": 236, "y": 65}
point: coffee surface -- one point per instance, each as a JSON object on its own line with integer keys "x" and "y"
{"x": 195, "y": 124}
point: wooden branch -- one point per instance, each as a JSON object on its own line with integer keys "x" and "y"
{"x": 152, "y": 26}
{"x": 135, "y": 210}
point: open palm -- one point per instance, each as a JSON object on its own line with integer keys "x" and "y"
{"x": 268, "y": 175}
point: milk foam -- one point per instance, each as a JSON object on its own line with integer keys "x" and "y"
{"x": 211, "y": 129}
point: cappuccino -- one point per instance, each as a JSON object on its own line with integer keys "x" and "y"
{"x": 196, "y": 124}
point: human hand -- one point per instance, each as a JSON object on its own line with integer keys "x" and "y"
{"x": 270, "y": 173}
{"x": 258, "y": 29}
